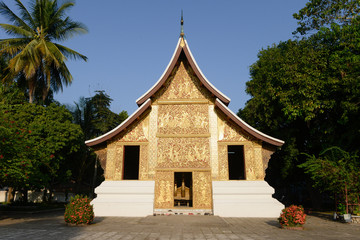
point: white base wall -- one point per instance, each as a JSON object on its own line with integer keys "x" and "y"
{"x": 124, "y": 198}
{"x": 245, "y": 199}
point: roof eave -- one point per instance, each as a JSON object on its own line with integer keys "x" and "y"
{"x": 201, "y": 76}
{"x": 121, "y": 127}
{"x": 163, "y": 77}
{"x": 183, "y": 47}
{"x": 249, "y": 129}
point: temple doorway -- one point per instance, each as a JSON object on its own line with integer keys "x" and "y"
{"x": 183, "y": 189}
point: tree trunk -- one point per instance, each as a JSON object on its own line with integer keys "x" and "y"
{"x": 10, "y": 195}
{"x": 32, "y": 89}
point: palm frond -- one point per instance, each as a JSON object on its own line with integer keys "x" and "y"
{"x": 16, "y": 30}
{"x": 12, "y": 17}
{"x": 12, "y": 46}
{"x": 25, "y": 15}
{"x": 60, "y": 12}
{"x": 67, "y": 29}
{"x": 68, "y": 52}
{"x": 60, "y": 76}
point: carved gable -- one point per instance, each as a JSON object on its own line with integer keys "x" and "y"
{"x": 182, "y": 84}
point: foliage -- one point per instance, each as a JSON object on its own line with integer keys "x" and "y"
{"x": 292, "y": 216}
{"x": 341, "y": 208}
{"x": 35, "y": 141}
{"x": 307, "y": 93}
{"x": 95, "y": 118}
{"x": 94, "y": 115}
{"x": 334, "y": 170}
{"x": 79, "y": 211}
{"x": 320, "y": 13}
{"x": 35, "y": 54}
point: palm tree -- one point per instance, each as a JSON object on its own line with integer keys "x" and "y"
{"x": 34, "y": 52}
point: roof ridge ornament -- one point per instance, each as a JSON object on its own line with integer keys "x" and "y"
{"x": 182, "y": 25}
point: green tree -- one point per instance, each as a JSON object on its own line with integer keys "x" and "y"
{"x": 94, "y": 115}
{"x": 95, "y": 118}
{"x": 35, "y": 54}
{"x": 336, "y": 171}
{"x": 36, "y": 144}
{"x": 322, "y": 13}
{"x": 104, "y": 119}
{"x": 307, "y": 92}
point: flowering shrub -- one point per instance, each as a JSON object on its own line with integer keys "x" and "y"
{"x": 292, "y": 216}
{"x": 79, "y": 211}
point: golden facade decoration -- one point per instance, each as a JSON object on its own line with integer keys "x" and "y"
{"x": 266, "y": 155}
{"x": 101, "y": 153}
{"x": 250, "y": 163}
{"x": 152, "y": 154}
{"x": 114, "y": 162}
{"x": 202, "y": 190}
{"x": 259, "y": 168}
{"x": 183, "y": 153}
{"x": 183, "y": 119}
{"x": 213, "y": 142}
{"x": 229, "y": 132}
{"x": 143, "y": 162}
{"x": 164, "y": 187}
{"x": 137, "y": 132}
{"x": 182, "y": 84}
{"x": 223, "y": 162}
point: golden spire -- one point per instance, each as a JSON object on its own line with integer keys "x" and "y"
{"x": 182, "y": 25}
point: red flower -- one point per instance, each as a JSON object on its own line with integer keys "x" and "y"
{"x": 29, "y": 131}
{"x": 52, "y": 156}
{"x": 1, "y": 156}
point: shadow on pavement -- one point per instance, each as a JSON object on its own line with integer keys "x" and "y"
{"x": 273, "y": 223}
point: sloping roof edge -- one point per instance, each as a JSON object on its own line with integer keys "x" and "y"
{"x": 194, "y": 66}
{"x": 252, "y": 131}
{"x": 163, "y": 77}
{"x": 120, "y": 127}
{"x": 202, "y": 77}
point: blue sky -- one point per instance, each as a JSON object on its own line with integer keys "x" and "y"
{"x": 130, "y": 43}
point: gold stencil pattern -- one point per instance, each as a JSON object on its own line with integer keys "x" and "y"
{"x": 213, "y": 143}
{"x": 143, "y": 168}
{"x": 152, "y": 142}
{"x": 164, "y": 197}
{"x": 223, "y": 162}
{"x": 266, "y": 155}
{"x": 182, "y": 84}
{"x": 183, "y": 119}
{"x": 202, "y": 189}
{"x": 183, "y": 153}
{"x": 229, "y": 132}
{"x": 137, "y": 132}
{"x": 119, "y": 162}
{"x": 102, "y": 155}
{"x": 259, "y": 169}
{"x": 114, "y": 162}
{"x": 250, "y": 163}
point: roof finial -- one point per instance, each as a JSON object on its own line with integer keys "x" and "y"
{"x": 182, "y": 25}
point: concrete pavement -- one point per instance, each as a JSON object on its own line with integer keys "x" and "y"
{"x": 52, "y": 226}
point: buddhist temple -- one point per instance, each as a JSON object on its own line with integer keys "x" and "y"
{"x": 183, "y": 151}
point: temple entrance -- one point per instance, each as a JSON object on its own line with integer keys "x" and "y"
{"x": 183, "y": 189}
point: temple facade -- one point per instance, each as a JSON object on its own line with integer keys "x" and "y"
{"x": 184, "y": 152}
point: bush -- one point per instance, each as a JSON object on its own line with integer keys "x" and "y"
{"x": 292, "y": 216}
{"x": 79, "y": 211}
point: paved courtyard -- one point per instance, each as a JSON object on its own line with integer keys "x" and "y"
{"x": 51, "y": 226}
